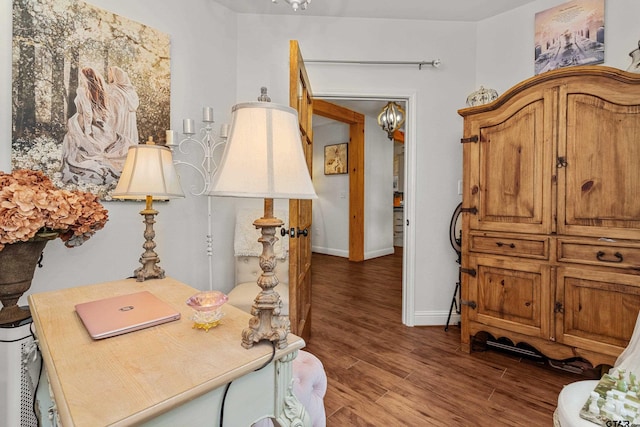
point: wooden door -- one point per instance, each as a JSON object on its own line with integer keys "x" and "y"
{"x": 508, "y": 153}
{"x": 512, "y": 295}
{"x": 300, "y": 98}
{"x": 597, "y": 310}
{"x": 598, "y": 182}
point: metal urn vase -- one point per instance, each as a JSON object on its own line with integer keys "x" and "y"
{"x": 18, "y": 262}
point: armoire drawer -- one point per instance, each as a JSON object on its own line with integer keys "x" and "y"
{"x": 535, "y": 247}
{"x": 613, "y": 254}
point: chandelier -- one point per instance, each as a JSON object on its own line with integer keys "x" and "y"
{"x": 296, "y": 4}
{"x": 391, "y": 118}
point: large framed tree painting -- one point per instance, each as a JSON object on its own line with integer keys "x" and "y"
{"x": 87, "y": 84}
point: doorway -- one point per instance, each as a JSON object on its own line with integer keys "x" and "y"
{"x": 356, "y": 184}
{"x": 356, "y": 171}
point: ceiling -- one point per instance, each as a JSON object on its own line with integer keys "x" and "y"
{"x": 433, "y": 10}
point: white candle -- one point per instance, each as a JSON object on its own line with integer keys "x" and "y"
{"x": 207, "y": 114}
{"x": 170, "y": 135}
{"x": 224, "y": 130}
{"x": 188, "y": 127}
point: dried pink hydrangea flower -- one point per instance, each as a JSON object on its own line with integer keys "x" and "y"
{"x": 30, "y": 205}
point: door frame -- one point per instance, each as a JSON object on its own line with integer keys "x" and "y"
{"x": 408, "y": 260}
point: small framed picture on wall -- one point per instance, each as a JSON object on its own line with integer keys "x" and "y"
{"x": 336, "y": 159}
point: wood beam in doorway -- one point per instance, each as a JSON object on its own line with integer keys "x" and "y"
{"x": 398, "y": 136}
{"x": 356, "y": 170}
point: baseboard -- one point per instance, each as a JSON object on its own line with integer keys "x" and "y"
{"x": 329, "y": 251}
{"x": 434, "y": 318}
{"x": 379, "y": 253}
{"x": 345, "y": 254}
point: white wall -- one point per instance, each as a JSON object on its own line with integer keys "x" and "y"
{"x": 378, "y": 191}
{"x": 330, "y": 230}
{"x": 331, "y": 210}
{"x": 203, "y": 67}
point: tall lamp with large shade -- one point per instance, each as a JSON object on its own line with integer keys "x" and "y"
{"x": 148, "y": 174}
{"x": 264, "y": 159}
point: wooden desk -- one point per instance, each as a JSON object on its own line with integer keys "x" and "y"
{"x": 169, "y": 374}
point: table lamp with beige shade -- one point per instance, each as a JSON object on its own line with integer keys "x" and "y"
{"x": 264, "y": 159}
{"x": 148, "y": 174}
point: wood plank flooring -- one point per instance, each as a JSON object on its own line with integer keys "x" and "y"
{"x": 382, "y": 373}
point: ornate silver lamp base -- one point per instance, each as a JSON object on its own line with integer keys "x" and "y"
{"x": 149, "y": 259}
{"x": 267, "y": 323}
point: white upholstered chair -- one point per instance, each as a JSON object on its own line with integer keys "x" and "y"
{"x": 573, "y": 396}
{"x": 246, "y": 289}
{"x": 247, "y": 250}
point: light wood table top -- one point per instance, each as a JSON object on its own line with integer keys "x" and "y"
{"x": 133, "y": 377}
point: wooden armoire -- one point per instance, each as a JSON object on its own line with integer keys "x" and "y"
{"x": 551, "y": 214}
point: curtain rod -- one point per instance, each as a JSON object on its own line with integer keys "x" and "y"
{"x": 434, "y": 63}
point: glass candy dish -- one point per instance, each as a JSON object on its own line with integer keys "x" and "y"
{"x": 206, "y": 309}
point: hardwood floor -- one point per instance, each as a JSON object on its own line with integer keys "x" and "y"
{"x": 382, "y": 373}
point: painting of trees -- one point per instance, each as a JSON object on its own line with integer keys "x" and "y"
{"x": 53, "y": 41}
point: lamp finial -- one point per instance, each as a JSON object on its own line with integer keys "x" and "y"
{"x": 263, "y": 95}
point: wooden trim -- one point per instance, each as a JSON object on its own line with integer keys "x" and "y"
{"x": 300, "y": 211}
{"x": 336, "y": 112}
{"x": 356, "y": 171}
{"x": 398, "y": 136}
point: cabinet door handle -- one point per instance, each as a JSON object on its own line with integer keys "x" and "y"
{"x": 500, "y": 244}
{"x": 600, "y": 256}
{"x": 561, "y": 162}
{"x": 558, "y": 307}
{"x": 470, "y": 271}
{"x": 471, "y": 304}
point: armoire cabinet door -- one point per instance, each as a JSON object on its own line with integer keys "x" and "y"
{"x": 597, "y": 309}
{"x": 600, "y": 181}
{"x": 508, "y": 165}
{"x": 510, "y": 294}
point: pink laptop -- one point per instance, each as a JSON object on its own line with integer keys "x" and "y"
{"x": 118, "y": 315}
